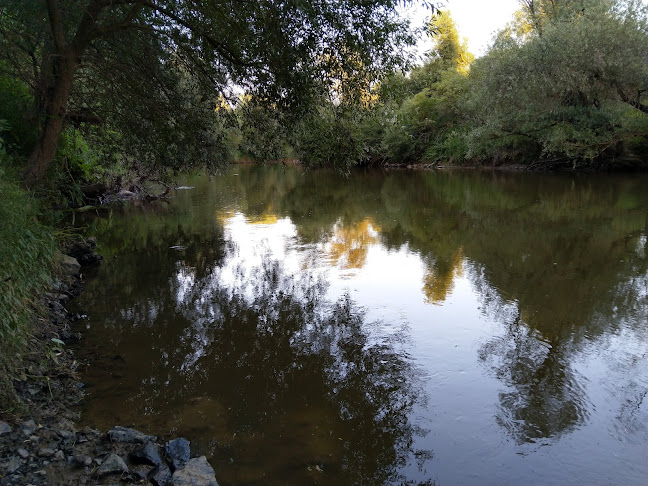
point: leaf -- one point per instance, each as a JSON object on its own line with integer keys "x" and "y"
{"x": 57, "y": 341}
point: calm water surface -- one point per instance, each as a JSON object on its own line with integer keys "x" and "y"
{"x": 381, "y": 329}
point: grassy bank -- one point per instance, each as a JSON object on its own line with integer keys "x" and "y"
{"x": 27, "y": 254}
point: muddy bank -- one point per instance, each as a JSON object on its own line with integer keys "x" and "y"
{"x": 44, "y": 444}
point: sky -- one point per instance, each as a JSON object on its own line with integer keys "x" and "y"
{"x": 476, "y": 20}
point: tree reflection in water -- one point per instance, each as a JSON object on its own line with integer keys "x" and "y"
{"x": 270, "y": 345}
{"x": 269, "y": 379}
{"x": 278, "y": 385}
{"x": 544, "y": 397}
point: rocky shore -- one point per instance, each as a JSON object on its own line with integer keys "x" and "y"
{"x": 44, "y": 444}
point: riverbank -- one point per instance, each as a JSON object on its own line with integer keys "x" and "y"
{"x": 41, "y": 440}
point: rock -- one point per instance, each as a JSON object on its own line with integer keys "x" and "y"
{"x": 24, "y": 453}
{"x": 82, "y": 250}
{"x": 113, "y": 464}
{"x": 70, "y": 265}
{"x": 62, "y": 298}
{"x": 28, "y": 427}
{"x": 5, "y": 428}
{"x": 90, "y": 259}
{"x": 56, "y": 306}
{"x": 149, "y": 454}
{"x": 59, "y": 456}
{"x": 161, "y": 475}
{"x": 81, "y": 460}
{"x": 197, "y": 472}
{"x": 177, "y": 453}
{"x": 66, "y": 434}
{"x": 45, "y": 452}
{"x": 141, "y": 471}
{"x": 130, "y": 436}
{"x": 87, "y": 434}
{"x": 13, "y": 465}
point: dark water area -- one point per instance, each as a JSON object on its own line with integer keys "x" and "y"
{"x": 398, "y": 328}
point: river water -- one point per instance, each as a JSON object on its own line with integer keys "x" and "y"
{"x": 385, "y": 328}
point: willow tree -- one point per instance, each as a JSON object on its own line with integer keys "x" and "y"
{"x": 568, "y": 88}
{"x": 153, "y": 68}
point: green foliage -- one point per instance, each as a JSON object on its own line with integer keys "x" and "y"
{"x": 156, "y": 72}
{"x": 20, "y": 133}
{"x": 327, "y": 137}
{"x": 76, "y": 157}
{"x": 427, "y": 123}
{"x": 263, "y": 132}
{"x": 27, "y": 256}
{"x": 565, "y": 92}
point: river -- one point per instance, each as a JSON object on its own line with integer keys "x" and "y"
{"x": 381, "y": 328}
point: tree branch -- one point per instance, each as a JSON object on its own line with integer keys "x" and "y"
{"x": 221, "y": 48}
{"x": 633, "y": 102}
{"x": 124, "y": 24}
{"x": 56, "y": 22}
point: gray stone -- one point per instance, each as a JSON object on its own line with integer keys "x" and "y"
{"x": 197, "y": 472}
{"x": 5, "y": 428}
{"x": 113, "y": 464}
{"x": 45, "y": 452}
{"x": 149, "y": 454}
{"x": 59, "y": 456}
{"x": 66, "y": 434}
{"x": 13, "y": 465}
{"x": 130, "y": 436}
{"x": 90, "y": 432}
{"x": 28, "y": 427}
{"x": 70, "y": 265}
{"x": 177, "y": 453}
{"x": 140, "y": 471}
{"x": 81, "y": 460}
{"x": 161, "y": 475}
{"x": 24, "y": 453}
{"x": 62, "y": 298}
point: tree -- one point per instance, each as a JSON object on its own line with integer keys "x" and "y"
{"x": 571, "y": 91}
{"x": 428, "y": 116}
{"x": 125, "y": 61}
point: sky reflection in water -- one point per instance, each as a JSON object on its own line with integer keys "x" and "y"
{"x": 400, "y": 328}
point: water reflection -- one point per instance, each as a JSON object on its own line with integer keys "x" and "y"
{"x": 544, "y": 396}
{"x": 264, "y": 367}
{"x": 289, "y": 342}
{"x": 349, "y": 243}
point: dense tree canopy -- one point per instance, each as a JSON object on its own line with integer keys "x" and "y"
{"x": 181, "y": 84}
{"x": 567, "y": 81}
{"x": 154, "y": 69}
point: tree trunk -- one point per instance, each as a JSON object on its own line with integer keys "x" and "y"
{"x": 56, "y": 104}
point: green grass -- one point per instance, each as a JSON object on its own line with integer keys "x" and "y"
{"x": 27, "y": 253}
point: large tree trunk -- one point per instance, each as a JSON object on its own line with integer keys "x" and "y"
{"x": 56, "y": 104}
